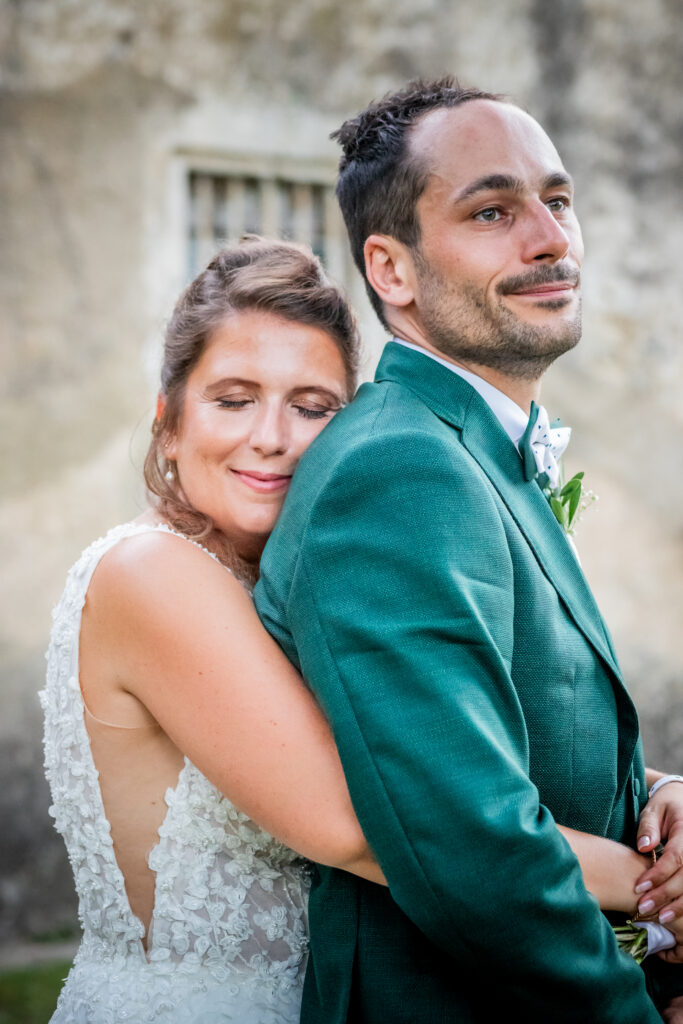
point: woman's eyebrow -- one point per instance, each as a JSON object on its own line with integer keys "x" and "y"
{"x": 216, "y": 386}
{"x": 224, "y": 382}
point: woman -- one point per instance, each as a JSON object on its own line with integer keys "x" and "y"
{"x": 164, "y": 692}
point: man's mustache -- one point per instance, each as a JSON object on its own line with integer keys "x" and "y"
{"x": 564, "y": 273}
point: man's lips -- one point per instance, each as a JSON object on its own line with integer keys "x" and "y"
{"x": 556, "y": 289}
{"x": 556, "y": 283}
{"x": 263, "y": 483}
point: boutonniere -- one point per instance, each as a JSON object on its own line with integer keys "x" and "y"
{"x": 569, "y": 501}
{"x": 542, "y": 446}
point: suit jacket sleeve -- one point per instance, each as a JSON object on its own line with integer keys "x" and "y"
{"x": 401, "y": 609}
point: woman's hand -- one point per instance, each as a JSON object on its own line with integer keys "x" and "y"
{"x": 660, "y": 887}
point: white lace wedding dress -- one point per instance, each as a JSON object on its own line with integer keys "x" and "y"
{"x": 228, "y": 937}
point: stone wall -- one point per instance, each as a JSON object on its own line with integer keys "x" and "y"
{"x": 101, "y": 101}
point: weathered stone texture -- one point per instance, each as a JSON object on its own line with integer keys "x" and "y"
{"x": 97, "y": 100}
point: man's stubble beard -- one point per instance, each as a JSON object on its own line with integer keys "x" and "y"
{"x": 461, "y": 324}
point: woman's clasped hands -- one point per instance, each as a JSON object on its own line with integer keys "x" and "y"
{"x": 660, "y": 888}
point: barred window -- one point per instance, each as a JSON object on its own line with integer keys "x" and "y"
{"x": 224, "y": 206}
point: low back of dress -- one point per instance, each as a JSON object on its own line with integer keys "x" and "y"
{"x": 228, "y": 933}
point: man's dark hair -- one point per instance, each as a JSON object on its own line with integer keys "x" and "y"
{"x": 380, "y": 181}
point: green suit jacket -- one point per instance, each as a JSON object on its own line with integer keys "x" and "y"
{"x": 433, "y": 604}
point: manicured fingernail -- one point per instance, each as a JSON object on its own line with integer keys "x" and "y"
{"x": 646, "y": 906}
{"x": 643, "y": 887}
{"x": 643, "y": 841}
{"x": 666, "y": 915}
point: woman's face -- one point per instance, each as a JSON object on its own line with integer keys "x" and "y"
{"x": 263, "y": 388}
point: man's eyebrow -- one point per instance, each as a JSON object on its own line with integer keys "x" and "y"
{"x": 506, "y": 183}
{"x": 490, "y": 183}
{"x": 558, "y": 180}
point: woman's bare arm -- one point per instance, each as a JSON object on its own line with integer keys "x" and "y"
{"x": 176, "y": 632}
{"x": 610, "y": 870}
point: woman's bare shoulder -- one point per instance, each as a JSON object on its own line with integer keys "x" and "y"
{"x": 161, "y": 565}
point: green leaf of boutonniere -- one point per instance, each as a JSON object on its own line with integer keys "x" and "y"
{"x": 568, "y": 501}
{"x": 558, "y": 510}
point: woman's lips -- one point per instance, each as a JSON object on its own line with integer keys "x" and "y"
{"x": 263, "y": 483}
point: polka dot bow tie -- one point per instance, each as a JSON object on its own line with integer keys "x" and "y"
{"x": 541, "y": 446}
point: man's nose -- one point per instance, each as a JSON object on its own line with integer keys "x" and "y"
{"x": 269, "y": 431}
{"x": 546, "y": 239}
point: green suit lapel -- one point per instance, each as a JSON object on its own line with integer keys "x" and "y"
{"x": 456, "y": 402}
{"x": 500, "y": 460}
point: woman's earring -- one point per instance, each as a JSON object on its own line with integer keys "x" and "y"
{"x": 169, "y": 475}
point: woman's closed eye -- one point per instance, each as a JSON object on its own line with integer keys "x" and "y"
{"x": 315, "y": 412}
{"x": 312, "y": 411}
{"x": 233, "y": 403}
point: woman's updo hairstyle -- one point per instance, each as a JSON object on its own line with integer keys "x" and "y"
{"x": 281, "y": 278}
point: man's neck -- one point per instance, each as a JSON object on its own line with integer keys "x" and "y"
{"x": 522, "y": 392}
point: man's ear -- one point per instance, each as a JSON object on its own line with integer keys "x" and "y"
{"x": 389, "y": 270}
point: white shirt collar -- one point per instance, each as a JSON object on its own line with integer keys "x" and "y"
{"x": 511, "y": 416}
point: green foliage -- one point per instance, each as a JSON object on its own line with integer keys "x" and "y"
{"x": 29, "y": 995}
{"x": 567, "y": 500}
{"x": 632, "y": 940}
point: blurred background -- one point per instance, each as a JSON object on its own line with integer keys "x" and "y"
{"x": 134, "y": 138}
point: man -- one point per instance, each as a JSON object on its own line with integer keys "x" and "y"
{"x": 421, "y": 582}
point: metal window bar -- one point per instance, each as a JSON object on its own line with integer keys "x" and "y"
{"x": 223, "y": 207}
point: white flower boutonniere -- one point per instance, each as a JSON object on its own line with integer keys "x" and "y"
{"x": 542, "y": 446}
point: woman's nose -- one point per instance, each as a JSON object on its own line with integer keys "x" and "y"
{"x": 269, "y": 433}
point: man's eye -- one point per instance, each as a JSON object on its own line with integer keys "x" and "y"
{"x": 489, "y": 215}
{"x": 558, "y": 203}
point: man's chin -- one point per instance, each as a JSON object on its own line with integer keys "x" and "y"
{"x": 526, "y": 351}
{"x": 553, "y": 316}
{"x": 546, "y": 332}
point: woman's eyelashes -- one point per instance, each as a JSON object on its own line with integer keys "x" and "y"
{"x": 233, "y": 403}
{"x": 317, "y": 413}
{"x": 308, "y": 412}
